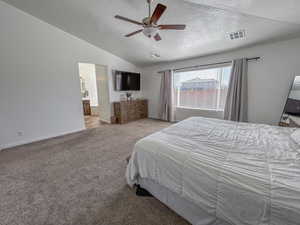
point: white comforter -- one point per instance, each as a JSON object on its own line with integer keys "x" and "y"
{"x": 238, "y": 172}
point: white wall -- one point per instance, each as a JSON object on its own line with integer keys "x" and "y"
{"x": 39, "y": 79}
{"x": 183, "y": 113}
{"x": 269, "y": 79}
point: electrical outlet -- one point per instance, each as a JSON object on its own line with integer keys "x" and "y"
{"x": 20, "y": 133}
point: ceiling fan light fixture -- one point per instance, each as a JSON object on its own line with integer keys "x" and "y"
{"x": 150, "y": 31}
{"x": 150, "y": 27}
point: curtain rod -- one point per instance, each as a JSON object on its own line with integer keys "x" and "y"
{"x": 210, "y": 64}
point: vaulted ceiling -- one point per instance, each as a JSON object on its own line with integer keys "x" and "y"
{"x": 209, "y": 23}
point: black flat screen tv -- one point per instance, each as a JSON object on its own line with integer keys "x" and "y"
{"x": 127, "y": 81}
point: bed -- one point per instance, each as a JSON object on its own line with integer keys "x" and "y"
{"x": 216, "y": 172}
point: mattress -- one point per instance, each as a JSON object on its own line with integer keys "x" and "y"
{"x": 241, "y": 173}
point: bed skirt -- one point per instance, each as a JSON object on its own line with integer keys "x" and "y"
{"x": 188, "y": 210}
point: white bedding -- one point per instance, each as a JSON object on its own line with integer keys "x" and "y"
{"x": 241, "y": 173}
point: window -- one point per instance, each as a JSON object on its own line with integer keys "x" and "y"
{"x": 202, "y": 89}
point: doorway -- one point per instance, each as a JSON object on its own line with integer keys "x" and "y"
{"x": 94, "y": 94}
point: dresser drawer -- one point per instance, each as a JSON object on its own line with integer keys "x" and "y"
{"x": 126, "y": 111}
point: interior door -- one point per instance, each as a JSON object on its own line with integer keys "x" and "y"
{"x": 103, "y": 93}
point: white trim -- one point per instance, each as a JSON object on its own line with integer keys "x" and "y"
{"x": 219, "y": 77}
{"x": 105, "y": 121}
{"x": 200, "y": 109}
{"x": 203, "y": 67}
{"x": 18, "y": 143}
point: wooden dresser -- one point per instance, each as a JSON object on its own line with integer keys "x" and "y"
{"x": 126, "y": 111}
{"x": 86, "y": 107}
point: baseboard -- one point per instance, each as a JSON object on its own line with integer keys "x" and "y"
{"x": 19, "y": 143}
{"x": 105, "y": 121}
{"x": 154, "y": 118}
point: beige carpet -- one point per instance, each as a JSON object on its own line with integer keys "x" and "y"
{"x": 78, "y": 179}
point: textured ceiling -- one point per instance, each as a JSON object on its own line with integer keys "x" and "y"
{"x": 208, "y": 24}
{"x": 278, "y": 10}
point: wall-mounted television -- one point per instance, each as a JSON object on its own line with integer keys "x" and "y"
{"x": 127, "y": 81}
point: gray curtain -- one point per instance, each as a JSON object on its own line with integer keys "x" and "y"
{"x": 236, "y": 107}
{"x": 166, "y": 96}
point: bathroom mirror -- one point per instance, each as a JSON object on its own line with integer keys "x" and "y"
{"x": 291, "y": 113}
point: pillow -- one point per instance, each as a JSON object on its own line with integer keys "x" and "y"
{"x": 296, "y": 136}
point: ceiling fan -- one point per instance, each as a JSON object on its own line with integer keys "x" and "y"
{"x": 149, "y": 24}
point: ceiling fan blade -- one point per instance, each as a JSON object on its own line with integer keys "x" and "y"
{"x": 159, "y": 10}
{"x": 172, "y": 27}
{"x": 127, "y": 20}
{"x": 133, "y": 33}
{"x": 157, "y": 37}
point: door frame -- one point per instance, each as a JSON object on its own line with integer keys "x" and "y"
{"x": 79, "y": 88}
